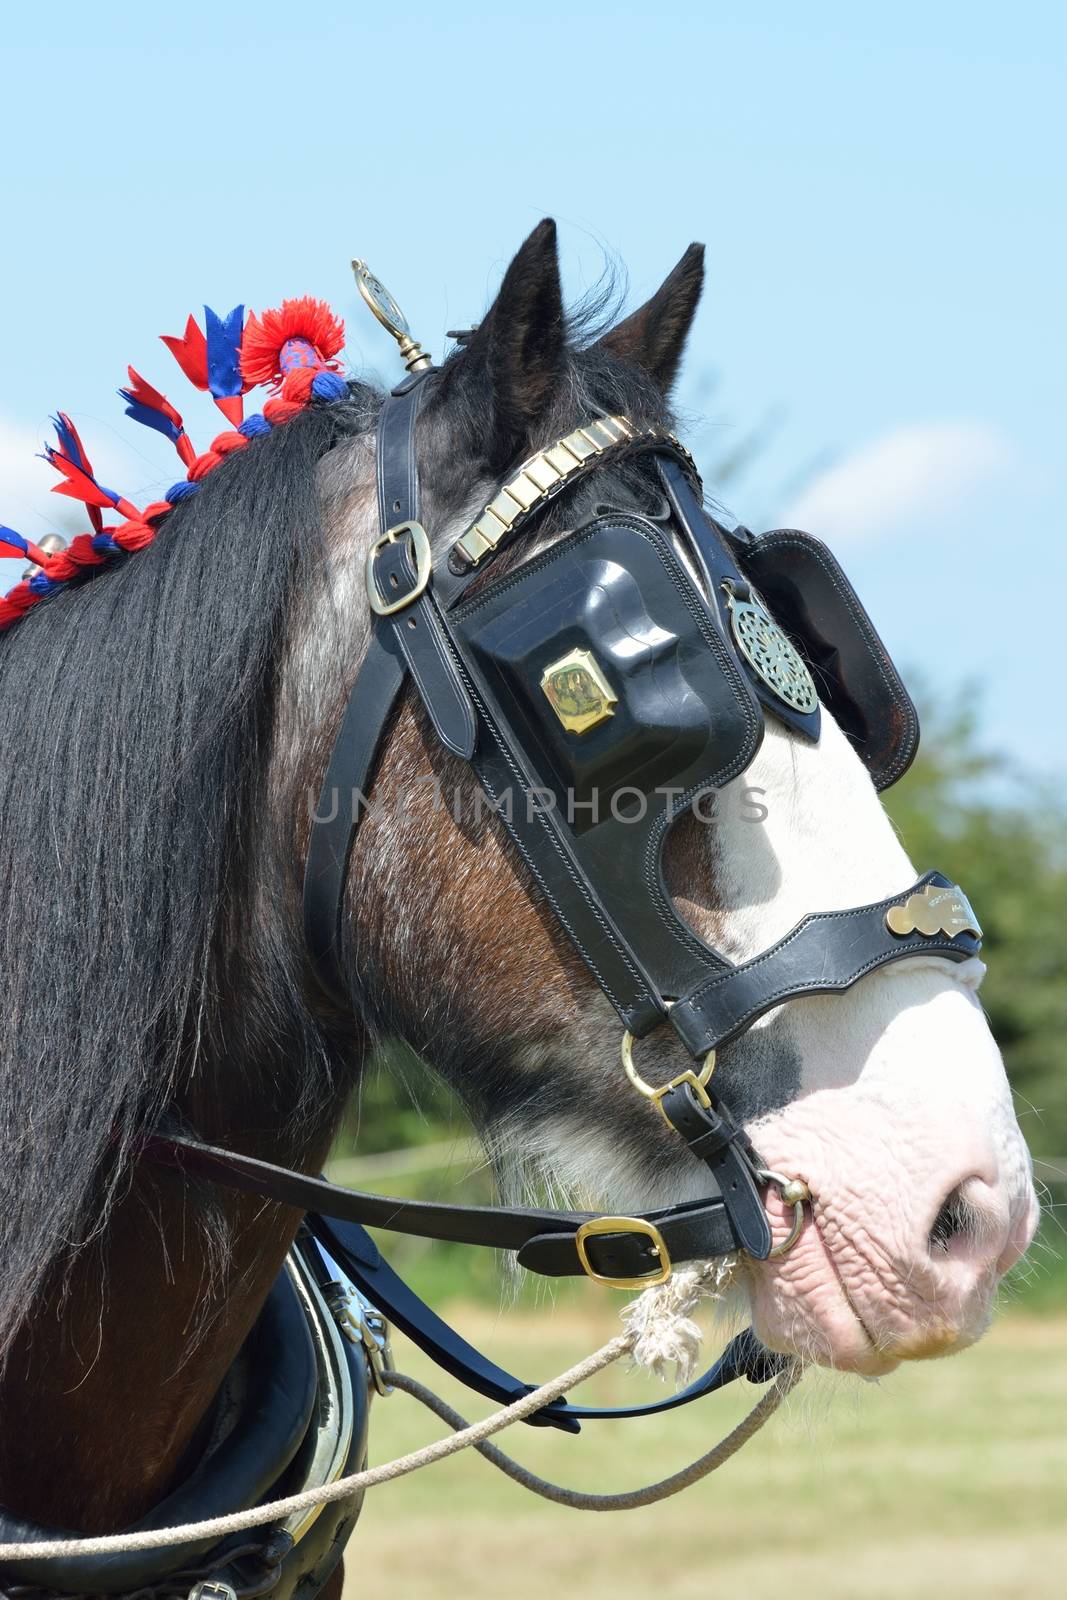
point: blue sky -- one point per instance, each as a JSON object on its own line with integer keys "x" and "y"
{"x": 881, "y": 193}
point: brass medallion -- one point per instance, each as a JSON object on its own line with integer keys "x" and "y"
{"x": 578, "y": 692}
{"x": 390, "y": 316}
{"x": 934, "y": 909}
{"x": 769, "y": 653}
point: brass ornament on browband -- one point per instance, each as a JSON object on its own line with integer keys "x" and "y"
{"x": 392, "y": 319}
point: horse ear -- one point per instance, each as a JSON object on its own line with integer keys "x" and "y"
{"x": 654, "y": 336}
{"x": 519, "y": 347}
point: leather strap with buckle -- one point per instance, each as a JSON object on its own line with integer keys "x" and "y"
{"x": 626, "y": 1227}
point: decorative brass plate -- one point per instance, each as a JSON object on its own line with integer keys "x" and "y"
{"x": 578, "y": 692}
{"x": 769, "y": 653}
{"x": 934, "y": 910}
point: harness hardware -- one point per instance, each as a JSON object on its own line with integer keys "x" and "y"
{"x": 768, "y": 650}
{"x": 364, "y": 1326}
{"x": 794, "y": 1192}
{"x": 374, "y": 1334}
{"x": 695, "y": 1081}
{"x": 544, "y": 475}
{"x": 423, "y": 568}
{"x": 392, "y": 319}
{"x": 634, "y": 1225}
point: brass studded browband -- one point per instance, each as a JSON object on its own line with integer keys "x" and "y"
{"x": 549, "y": 471}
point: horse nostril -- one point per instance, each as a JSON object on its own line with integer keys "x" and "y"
{"x": 955, "y": 1220}
{"x": 971, "y": 1224}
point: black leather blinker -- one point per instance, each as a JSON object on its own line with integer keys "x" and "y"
{"x": 803, "y": 584}
{"x": 608, "y": 699}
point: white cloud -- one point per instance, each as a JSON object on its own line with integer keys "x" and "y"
{"x": 903, "y": 479}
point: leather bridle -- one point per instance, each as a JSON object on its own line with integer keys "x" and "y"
{"x": 421, "y": 633}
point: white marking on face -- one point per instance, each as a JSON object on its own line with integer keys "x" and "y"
{"x": 903, "y": 1096}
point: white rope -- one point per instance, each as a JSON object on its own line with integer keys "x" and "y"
{"x": 468, "y": 1435}
{"x": 275, "y": 1510}
{"x": 628, "y": 1499}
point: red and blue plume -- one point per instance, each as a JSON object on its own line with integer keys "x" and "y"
{"x": 293, "y": 348}
{"x": 13, "y": 544}
{"x": 224, "y": 361}
{"x": 214, "y": 362}
{"x": 147, "y": 406}
{"x": 190, "y": 352}
{"x": 79, "y": 483}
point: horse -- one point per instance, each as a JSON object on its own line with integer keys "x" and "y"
{"x": 168, "y": 725}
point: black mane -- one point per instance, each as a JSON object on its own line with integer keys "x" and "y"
{"x": 136, "y": 713}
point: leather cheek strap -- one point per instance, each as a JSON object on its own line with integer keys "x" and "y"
{"x": 397, "y": 463}
{"x": 394, "y": 650}
{"x": 416, "y": 629}
{"x": 420, "y": 637}
{"x": 723, "y": 1147}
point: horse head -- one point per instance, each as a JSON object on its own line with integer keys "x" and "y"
{"x": 890, "y": 1102}
{"x": 170, "y": 725}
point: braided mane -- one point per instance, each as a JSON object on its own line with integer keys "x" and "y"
{"x": 291, "y": 350}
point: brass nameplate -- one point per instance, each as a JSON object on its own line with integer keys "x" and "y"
{"x": 578, "y": 691}
{"x": 934, "y": 910}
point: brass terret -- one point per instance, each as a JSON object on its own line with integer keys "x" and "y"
{"x": 390, "y": 316}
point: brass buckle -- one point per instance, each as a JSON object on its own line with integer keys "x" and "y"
{"x": 638, "y": 1225}
{"x": 423, "y": 568}
{"x": 696, "y": 1082}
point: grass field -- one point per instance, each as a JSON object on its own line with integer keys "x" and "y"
{"x": 948, "y": 1480}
